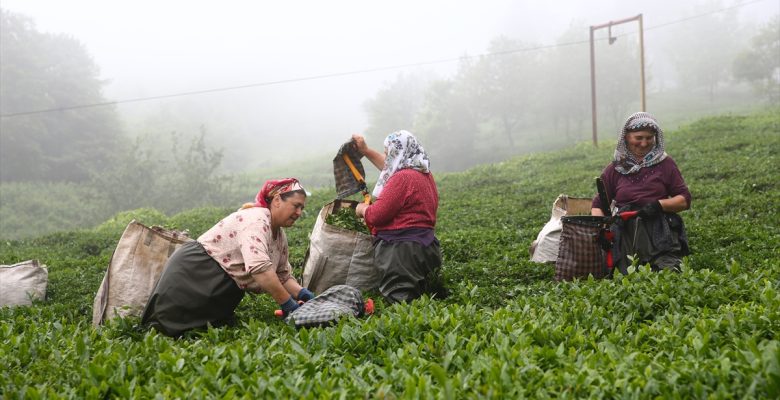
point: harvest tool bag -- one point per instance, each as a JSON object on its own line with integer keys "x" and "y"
{"x": 545, "y": 248}
{"x": 338, "y": 256}
{"x": 580, "y": 253}
{"x": 135, "y": 266}
{"x": 331, "y": 305}
{"x": 22, "y": 283}
{"x": 346, "y": 184}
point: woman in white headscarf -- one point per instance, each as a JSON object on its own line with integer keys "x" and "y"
{"x": 643, "y": 177}
{"x": 402, "y": 218}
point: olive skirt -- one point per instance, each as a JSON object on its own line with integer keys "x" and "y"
{"x": 192, "y": 292}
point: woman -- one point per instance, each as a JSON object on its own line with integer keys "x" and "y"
{"x": 403, "y": 218}
{"x": 643, "y": 177}
{"x": 204, "y": 280}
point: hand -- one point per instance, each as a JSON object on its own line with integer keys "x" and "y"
{"x": 360, "y": 210}
{"x": 305, "y": 295}
{"x": 289, "y": 306}
{"x": 359, "y": 143}
{"x": 651, "y": 210}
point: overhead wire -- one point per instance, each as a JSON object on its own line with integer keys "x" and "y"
{"x": 360, "y": 71}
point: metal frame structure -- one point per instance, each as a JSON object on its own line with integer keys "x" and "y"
{"x": 612, "y": 39}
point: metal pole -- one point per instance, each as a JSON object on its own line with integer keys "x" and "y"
{"x": 642, "y": 60}
{"x": 593, "y": 63}
{"x": 593, "y": 86}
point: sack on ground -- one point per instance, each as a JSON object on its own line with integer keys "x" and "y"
{"x": 327, "y": 308}
{"x": 338, "y": 256}
{"x": 22, "y": 283}
{"x": 133, "y": 270}
{"x": 545, "y": 247}
{"x": 580, "y": 253}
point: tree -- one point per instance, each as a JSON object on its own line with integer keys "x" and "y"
{"x": 703, "y": 49}
{"x": 447, "y": 126}
{"x": 508, "y": 89}
{"x": 396, "y": 105}
{"x": 45, "y": 72}
{"x": 760, "y": 64}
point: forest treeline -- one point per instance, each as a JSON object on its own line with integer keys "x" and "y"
{"x": 73, "y": 166}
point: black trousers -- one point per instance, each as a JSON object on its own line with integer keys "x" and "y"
{"x": 408, "y": 270}
{"x": 192, "y": 292}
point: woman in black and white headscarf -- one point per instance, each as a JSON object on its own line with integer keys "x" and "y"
{"x": 643, "y": 177}
{"x": 403, "y": 218}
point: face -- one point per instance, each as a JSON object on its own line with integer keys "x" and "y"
{"x": 284, "y": 213}
{"x": 640, "y": 143}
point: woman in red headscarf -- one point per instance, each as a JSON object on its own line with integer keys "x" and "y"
{"x": 204, "y": 280}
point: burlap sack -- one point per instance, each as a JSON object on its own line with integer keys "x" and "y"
{"x": 338, "y": 256}
{"x": 135, "y": 266}
{"x": 545, "y": 248}
{"x": 23, "y": 282}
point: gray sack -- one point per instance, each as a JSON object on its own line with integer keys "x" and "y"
{"x": 337, "y": 256}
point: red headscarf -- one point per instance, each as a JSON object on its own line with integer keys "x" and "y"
{"x": 273, "y": 187}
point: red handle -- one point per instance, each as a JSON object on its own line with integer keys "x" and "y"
{"x": 626, "y": 215}
{"x": 369, "y": 307}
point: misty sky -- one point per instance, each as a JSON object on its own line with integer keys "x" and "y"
{"x": 149, "y": 48}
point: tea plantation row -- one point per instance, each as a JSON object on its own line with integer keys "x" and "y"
{"x": 506, "y": 331}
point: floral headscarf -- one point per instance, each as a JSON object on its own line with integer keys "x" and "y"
{"x": 273, "y": 187}
{"x": 403, "y": 151}
{"x": 625, "y": 162}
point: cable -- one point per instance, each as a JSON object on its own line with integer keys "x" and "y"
{"x": 355, "y": 72}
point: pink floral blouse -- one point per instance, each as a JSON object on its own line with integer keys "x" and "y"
{"x": 242, "y": 243}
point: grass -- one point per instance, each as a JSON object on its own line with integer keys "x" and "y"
{"x": 507, "y": 330}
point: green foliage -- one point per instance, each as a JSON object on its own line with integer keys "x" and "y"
{"x": 506, "y": 331}
{"x": 760, "y": 64}
{"x": 44, "y": 71}
{"x": 347, "y": 219}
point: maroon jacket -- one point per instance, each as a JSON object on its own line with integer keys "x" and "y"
{"x": 660, "y": 181}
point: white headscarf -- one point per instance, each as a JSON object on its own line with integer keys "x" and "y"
{"x": 625, "y": 163}
{"x": 403, "y": 151}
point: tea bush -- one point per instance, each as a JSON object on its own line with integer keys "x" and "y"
{"x": 506, "y": 331}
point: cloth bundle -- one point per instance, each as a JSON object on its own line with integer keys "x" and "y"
{"x": 327, "y": 308}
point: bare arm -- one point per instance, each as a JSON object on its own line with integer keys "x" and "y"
{"x": 376, "y": 158}
{"x": 596, "y": 212}
{"x": 674, "y": 204}
{"x": 269, "y": 281}
{"x": 293, "y": 287}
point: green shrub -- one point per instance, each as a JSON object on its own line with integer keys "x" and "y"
{"x": 506, "y": 331}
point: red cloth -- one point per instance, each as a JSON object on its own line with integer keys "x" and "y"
{"x": 409, "y": 200}
{"x": 273, "y": 187}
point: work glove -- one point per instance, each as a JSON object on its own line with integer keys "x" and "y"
{"x": 305, "y": 295}
{"x": 289, "y": 306}
{"x": 651, "y": 210}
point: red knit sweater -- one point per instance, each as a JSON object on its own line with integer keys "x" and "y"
{"x": 409, "y": 200}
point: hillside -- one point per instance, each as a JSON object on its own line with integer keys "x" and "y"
{"x": 507, "y": 330}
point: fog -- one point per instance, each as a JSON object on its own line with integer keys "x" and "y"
{"x": 289, "y": 80}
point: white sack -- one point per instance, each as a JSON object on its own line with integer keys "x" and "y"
{"x": 22, "y": 283}
{"x": 132, "y": 273}
{"x": 545, "y": 247}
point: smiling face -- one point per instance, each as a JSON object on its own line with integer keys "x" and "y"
{"x": 284, "y": 212}
{"x": 640, "y": 143}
